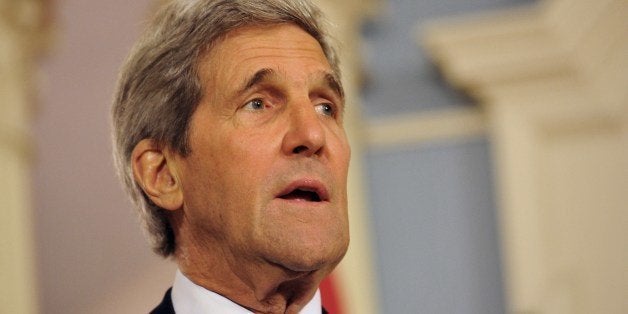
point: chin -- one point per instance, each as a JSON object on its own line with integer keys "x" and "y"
{"x": 311, "y": 258}
{"x": 305, "y": 247}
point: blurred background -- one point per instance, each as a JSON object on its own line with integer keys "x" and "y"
{"x": 489, "y": 170}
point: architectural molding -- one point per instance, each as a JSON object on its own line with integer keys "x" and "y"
{"x": 551, "y": 79}
{"x": 425, "y": 127}
{"x": 560, "y": 37}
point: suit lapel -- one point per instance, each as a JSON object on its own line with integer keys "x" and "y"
{"x": 165, "y": 307}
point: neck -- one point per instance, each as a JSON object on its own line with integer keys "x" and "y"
{"x": 258, "y": 285}
{"x": 267, "y": 290}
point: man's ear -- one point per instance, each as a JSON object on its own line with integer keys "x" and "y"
{"x": 156, "y": 174}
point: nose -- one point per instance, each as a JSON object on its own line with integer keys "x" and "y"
{"x": 306, "y": 133}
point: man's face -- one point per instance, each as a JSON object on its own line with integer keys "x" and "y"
{"x": 265, "y": 181}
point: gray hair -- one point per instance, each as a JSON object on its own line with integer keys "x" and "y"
{"x": 159, "y": 88}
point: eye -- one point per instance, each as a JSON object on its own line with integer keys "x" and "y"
{"x": 325, "y": 109}
{"x": 255, "y": 105}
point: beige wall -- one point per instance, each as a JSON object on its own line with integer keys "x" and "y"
{"x": 92, "y": 257}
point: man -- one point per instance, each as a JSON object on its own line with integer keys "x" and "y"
{"x": 228, "y": 131}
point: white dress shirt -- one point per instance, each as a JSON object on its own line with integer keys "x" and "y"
{"x": 190, "y": 298}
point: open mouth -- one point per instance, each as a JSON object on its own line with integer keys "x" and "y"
{"x": 304, "y": 194}
{"x": 306, "y": 191}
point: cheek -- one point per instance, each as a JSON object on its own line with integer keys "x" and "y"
{"x": 242, "y": 172}
{"x": 247, "y": 162}
{"x": 253, "y": 153}
{"x": 341, "y": 152}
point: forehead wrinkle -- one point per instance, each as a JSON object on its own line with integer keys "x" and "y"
{"x": 281, "y": 54}
{"x": 294, "y": 47}
{"x": 297, "y": 47}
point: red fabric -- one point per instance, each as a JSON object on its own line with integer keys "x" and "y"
{"x": 330, "y": 297}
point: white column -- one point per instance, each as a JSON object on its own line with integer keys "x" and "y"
{"x": 552, "y": 81}
{"x": 20, "y": 40}
{"x": 356, "y": 272}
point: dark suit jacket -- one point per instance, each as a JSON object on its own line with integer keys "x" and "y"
{"x": 165, "y": 307}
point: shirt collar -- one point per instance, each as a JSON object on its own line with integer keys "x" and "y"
{"x": 190, "y": 298}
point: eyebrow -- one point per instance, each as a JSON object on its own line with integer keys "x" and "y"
{"x": 257, "y": 78}
{"x": 334, "y": 83}
{"x": 262, "y": 75}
